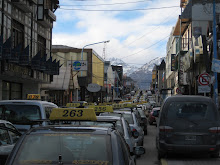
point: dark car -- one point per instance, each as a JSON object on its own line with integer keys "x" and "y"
{"x": 61, "y": 144}
{"x": 188, "y": 125}
{"x": 143, "y": 120}
{"x": 153, "y": 114}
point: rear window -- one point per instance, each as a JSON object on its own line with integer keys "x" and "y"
{"x": 129, "y": 118}
{"x": 191, "y": 111}
{"x": 20, "y": 113}
{"x": 77, "y": 148}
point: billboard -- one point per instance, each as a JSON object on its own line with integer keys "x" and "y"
{"x": 78, "y": 65}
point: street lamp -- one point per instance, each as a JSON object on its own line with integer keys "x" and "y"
{"x": 90, "y": 45}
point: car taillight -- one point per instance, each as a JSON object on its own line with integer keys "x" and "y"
{"x": 134, "y": 130}
{"x": 166, "y": 129}
{"x": 214, "y": 129}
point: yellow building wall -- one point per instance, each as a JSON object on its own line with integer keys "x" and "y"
{"x": 154, "y": 74}
{"x": 97, "y": 71}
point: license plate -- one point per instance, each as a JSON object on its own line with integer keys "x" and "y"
{"x": 190, "y": 137}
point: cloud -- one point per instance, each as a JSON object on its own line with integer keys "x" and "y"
{"x": 127, "y": 36}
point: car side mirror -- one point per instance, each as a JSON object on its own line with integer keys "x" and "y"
{"x": 139, "y": 150}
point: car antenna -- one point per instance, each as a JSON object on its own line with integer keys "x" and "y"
{"x": 60, "y": 160}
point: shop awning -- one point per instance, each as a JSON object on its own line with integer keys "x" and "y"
{"x": 61, "y": 81}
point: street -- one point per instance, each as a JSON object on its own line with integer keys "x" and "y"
{"x": 150, "y": 156}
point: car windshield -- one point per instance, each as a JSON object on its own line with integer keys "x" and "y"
{"x": 19, "y": 113}
{"x": 69, "y": 148}
{"x": 129, "y": 118}
{"x": 191, "y": 111}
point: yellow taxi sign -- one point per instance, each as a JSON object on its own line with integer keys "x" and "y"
{"x": 128, "y": 105}
{"x": 117, "y": 106}
{"x": 73, "y": 114}
{"x": 76, "y": 104}
{"x": 33, "y": 97}
{"x": 102, "y": 108}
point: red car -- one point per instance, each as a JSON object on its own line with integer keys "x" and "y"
{"x": 153, "y": 114}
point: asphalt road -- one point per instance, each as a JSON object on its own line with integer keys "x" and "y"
{"x": 150, "y": 156}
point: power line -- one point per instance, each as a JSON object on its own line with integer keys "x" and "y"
{"x": 166, "y": 7}
{"x": 146, "y": 47}
{"x": 124, "y": 3}
{"x": 158, "y": 26}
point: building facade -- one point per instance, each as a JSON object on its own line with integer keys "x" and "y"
{"x": 76, "y": 73}
{"x": 26, "y": 37}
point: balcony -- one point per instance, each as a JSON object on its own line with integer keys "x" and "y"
{"x": 24, "y": 5}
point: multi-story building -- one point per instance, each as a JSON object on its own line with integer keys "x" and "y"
{"x": 109, "y": 82}
{"x": 25, "y": 42}
{"x": 76, "y": 73}
{"x": 192, "y": 46}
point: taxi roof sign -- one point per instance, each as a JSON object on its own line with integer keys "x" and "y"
{"x": 76, "y": 104}
{"x": 102, "y": 108}
{"x": 33, "y": 97}
{"x": 82, "y": 114}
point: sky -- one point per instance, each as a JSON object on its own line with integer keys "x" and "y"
{"x": 138, "y": 30}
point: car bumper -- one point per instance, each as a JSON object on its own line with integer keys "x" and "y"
{"x": 171, "y": 148}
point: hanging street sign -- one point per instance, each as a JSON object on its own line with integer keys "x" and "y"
{"x": 78, "y": 65}
{"x": 216, "y": 65}
{"x": 204, "y": 89}
{"x": 178, "y": 91}
{"x": 204, "y": 79}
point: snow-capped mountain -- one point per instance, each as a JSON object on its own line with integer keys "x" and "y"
{"x": 143, "y": 75}
{"x": 127, "y": 69}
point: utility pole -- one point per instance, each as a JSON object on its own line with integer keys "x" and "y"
{"x": 215, "y": 55}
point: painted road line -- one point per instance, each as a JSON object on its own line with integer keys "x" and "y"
{"x": 163, "y": 162}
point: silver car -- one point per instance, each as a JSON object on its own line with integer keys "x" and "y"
{"x": 134, "y": 123}
{"x": 114, "y": 121}
{"x": 8, "y": 137}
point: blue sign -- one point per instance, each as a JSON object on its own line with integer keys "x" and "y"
{"x": 216, "y": 65}
{"x": 77, "y": 65}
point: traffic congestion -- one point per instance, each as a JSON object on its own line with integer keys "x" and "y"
{"x": 123, "y": 132}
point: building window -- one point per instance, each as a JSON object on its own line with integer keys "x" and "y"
{"x": 41, "y": 44}
{"x": 11, "y": 91}
{"x": 17, "y": 34}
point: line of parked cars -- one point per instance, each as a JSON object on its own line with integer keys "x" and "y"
{"x": 32, "y": 119}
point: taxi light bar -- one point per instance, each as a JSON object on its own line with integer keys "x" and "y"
{"x": 73, "y": 114}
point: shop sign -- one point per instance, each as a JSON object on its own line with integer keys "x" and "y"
{"x": 173, "y": 62}
{"x": 78, "y": 65}
{"x": 93, "y": 87}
